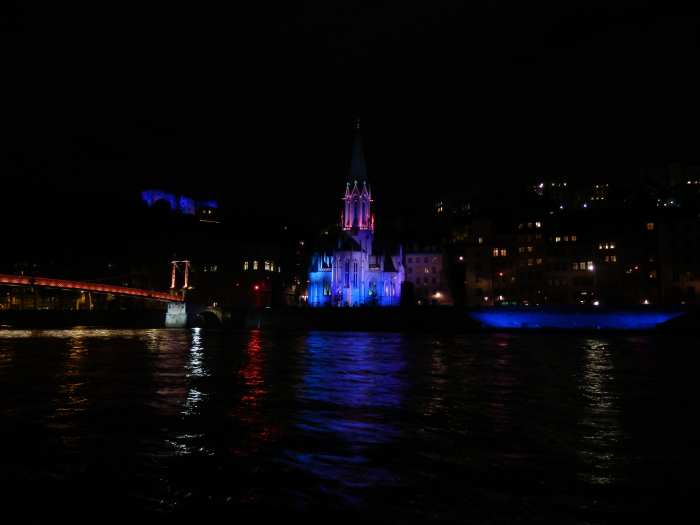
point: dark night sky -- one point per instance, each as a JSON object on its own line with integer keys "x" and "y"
{"x": 247, "y": 101}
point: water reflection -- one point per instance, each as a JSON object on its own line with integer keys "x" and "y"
{"x": 71, "y": 401}
{"x": 601, "y": 431}
{"x": 196, "y": 370}
{"x": 352, "y": 386}
{"x": 251, "y": 411}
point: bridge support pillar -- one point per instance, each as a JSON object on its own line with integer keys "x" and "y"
{"x": 176, "y": 316}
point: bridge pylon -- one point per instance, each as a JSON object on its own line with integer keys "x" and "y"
{"x": 182, "y": 267}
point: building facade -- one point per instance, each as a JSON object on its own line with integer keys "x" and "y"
{"x": 350, "y": 270}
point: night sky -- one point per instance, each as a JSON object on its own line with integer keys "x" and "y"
{"x": 254, "y": 104}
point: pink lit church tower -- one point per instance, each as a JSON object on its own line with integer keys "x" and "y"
{"x": 351, "y": 272}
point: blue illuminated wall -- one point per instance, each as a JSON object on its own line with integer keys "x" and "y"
{"x": 535, "y": 318}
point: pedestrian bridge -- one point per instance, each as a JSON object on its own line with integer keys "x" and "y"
{"x": 63, "y": 284}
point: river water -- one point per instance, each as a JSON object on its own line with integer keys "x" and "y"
{"x": 106, "y": 425}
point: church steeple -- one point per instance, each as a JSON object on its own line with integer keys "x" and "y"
{"x": 358, "y": 166}
{"x": 358, "y": 195}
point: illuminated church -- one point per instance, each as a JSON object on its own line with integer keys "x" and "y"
{"x": 350, "y": 271}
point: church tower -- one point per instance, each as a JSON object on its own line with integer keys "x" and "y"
{"x": 357, "y": 215}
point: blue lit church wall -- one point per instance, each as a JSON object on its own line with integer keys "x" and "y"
{"x": 351, "y": 274}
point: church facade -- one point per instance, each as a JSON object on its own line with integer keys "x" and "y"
{"x": 351, "y": 270}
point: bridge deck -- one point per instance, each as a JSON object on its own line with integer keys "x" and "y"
{"x": 63, "y": 284}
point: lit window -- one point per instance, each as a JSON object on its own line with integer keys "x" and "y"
{"x": 557, "y": 239}
{"x": 495, "y": 252}
{"x": 521, "y": 249}
{"x": 529, "y": 225}
{"x": 481, "y": 240}
{"x": 426, "y": 270}
{"x": 530, "y": 262}
{"x": 566, "y": 238}
{"x": 529, "y": 249}
{"x": 575, "y": 266}
{"x": 650, "y": 226}
{"x": 267, "y": 266}
{"x": 245, "y": 265}
{"x": 590, "y": 266}
{"x": 539, "y": 261}
{"x": 652, "y": 274}
{"x": 272, "y": 266}
{"x": 504, "y": 252}
{"x": 255, "y": 265}
{"x": 613, "y": 258}
{"x": 538, "y": 224}
{"x": 573, "y": 238}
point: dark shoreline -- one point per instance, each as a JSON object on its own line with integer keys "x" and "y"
{"x": 419, "y": 319}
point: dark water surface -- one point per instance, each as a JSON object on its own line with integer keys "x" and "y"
{"x": 103, "y": 425}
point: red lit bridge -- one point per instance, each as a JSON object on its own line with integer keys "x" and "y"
{"x": 63, "y": 284}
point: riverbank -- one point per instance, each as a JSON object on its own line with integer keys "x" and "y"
{"x": 417, "y": 319}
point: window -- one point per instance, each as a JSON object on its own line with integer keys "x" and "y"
{"x": 326, "y": 288}
{"x": 529, "y": 249}
{"x": 267, "y": 266}
{"x": 557, "y": 239}
{"x": 573, "y": 238}
{"x": 245, "y": 265}
{"x": 410, "y": 269}
{"x": 410, "y": 259}
{"x": 539, "y": 260}
{"x": 504, "y": 252}
{"x": 426, "y": 269}
{"x": 521, "y": 249}
{"x": 566, "y": 238}
{"x": 255, "y": 265}
{"x": 425, "y": 259}
{"x": 495, "y": 252}
{"x": 652, "y": 274}
{"x": 480, "y": 240}
{"x": 432, "y": 270}
{"x": 354, "y": 275}
{"x": 650, "y": 226}
{"x": 347, "y": 274}
{"x": 529, "y": 262}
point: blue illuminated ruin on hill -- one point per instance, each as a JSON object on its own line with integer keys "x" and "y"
{"x": 177, "y": 203}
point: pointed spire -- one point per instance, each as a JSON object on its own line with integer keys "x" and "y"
{"x": 358, "y": 166}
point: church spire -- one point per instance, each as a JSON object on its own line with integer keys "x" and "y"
{"x": 358, "y": 166}
{"x": 358, "y": 197}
